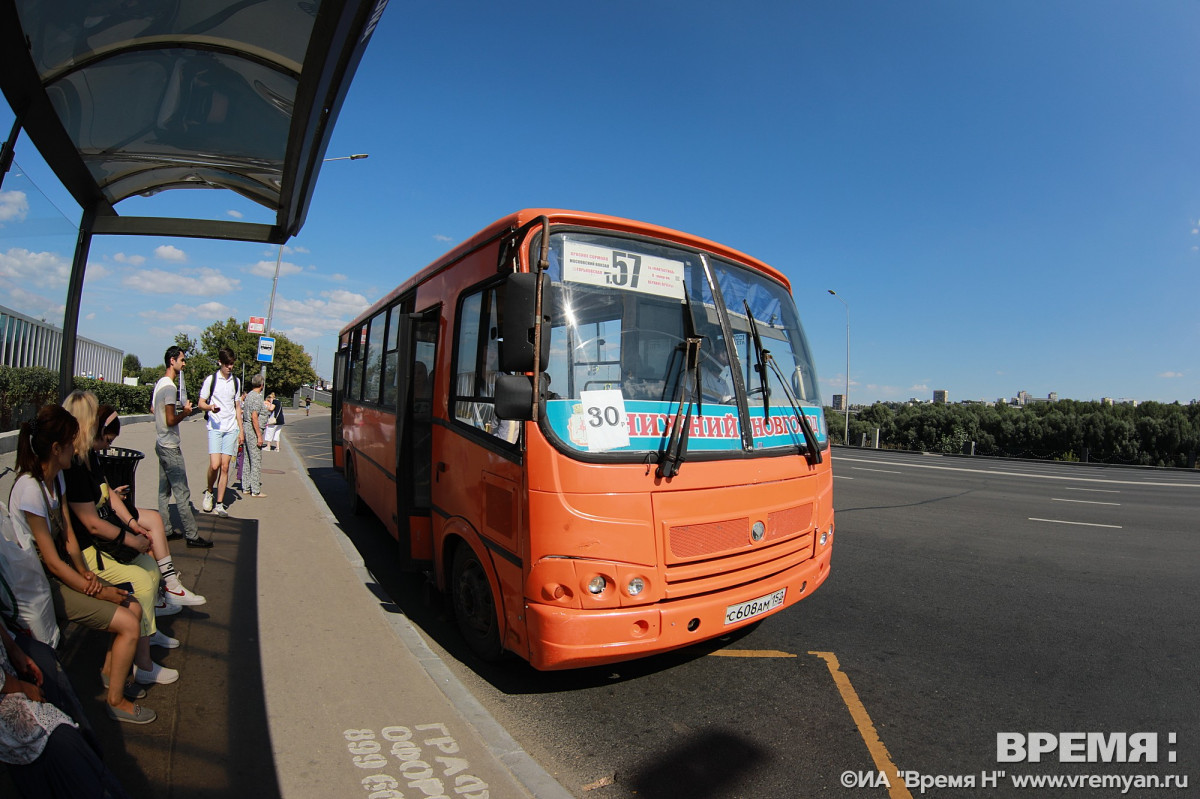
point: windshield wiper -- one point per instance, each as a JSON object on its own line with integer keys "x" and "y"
{"x": 760, "y": 356}
{"x": 672, "y": 457}
{"x": 810, "y": 439}
{"x": 764, "y": 358}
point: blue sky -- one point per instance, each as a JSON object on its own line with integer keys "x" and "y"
{"x": 1006, "y": 195}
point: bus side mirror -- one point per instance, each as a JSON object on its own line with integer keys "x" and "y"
{"x": 519, "y": 320}
{"x": 514, "y": 396}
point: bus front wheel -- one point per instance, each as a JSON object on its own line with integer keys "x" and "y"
{"x": 474, "y": 605}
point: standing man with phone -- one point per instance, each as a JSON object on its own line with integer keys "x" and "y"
{"x": 219, "y": 400}
{"x": 171, "y": 406}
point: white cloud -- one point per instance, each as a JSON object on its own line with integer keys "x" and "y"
{"x": 441, "y": 238}
{"x": 32, "y": 304}
{"x": 235, "y": 214}
{"x": 1170, "y": 374}
{"x": 97, "y": 271}
{"x": 267, "y": 269}
{"x": 338, "y": 276}
{"x": 167, "y": 252}
{"x": 168, "y": 333}
{"x": 214, "y": 309}
{"x": 132, "y": 260}
{"x": 43, "y": 269}
{"x": 180, "y": 311}
{"x": 90, "y": 317}
{"x": 196, "y": 282}
{"x": 317, "y": 316}
{"x": 919, "y": 387}
{"x": 14, "y": 206}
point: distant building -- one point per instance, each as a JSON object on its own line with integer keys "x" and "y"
{"x": 941, "y": 397}
{"x": 839, "y": 402}
{"x": 25, "y": 341}
{"x": 1108, "y": 401}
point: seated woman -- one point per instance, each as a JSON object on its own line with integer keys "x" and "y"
{"x": 143, "y": 521}
{"x": 46, "y": 754}
{"x": 45, "y": 447}
{"x": 99, "y": 515}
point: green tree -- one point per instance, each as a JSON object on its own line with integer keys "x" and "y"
{"x": 291, "y": 368}
{"x": 132, "y": 367}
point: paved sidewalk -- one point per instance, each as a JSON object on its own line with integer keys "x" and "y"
{"x": 297, "y": 679}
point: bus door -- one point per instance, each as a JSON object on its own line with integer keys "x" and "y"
{"x": 414, "y": 435}
{"x": 340, "y": 361}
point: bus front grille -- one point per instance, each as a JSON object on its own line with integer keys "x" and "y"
{"x": 716, "y": 555}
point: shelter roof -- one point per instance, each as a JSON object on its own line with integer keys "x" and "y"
{"x": 135, "y": 97}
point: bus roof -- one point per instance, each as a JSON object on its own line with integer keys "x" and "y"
{"x": 561, "y": 217}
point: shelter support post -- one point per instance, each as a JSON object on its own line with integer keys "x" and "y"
{"x": 66, "y": 361}
{"x": 8, "y": 148}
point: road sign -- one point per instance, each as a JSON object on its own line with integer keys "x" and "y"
{"x": 257, "y": 324}
{"x": 266, "y": 349}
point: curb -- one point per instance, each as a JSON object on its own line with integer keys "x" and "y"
{"x": 527, "y": 771}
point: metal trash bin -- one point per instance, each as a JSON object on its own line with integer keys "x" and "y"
{"x": 119, "y": 465}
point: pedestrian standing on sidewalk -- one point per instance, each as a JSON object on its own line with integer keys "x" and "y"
{"x": 219, "y": 401}
{"x": 253, "y": 419}
{"x": 274, "y": 422}
{"x": 172, "y": 471}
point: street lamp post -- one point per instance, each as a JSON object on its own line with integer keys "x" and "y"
{"x": 846, "y": 410}
{"x": 279, "y": 258}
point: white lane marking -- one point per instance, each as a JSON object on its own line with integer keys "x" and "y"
{"x": 841, "y": 477}
{"x": 1021, "y": 474}
{"x": 1093, "y": 490}
{"x": 1081, "y": 524}
{"x": 883, "y": 471}
{"x": 1084, "y": 501}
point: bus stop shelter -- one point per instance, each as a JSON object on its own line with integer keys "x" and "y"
{"x": 123, "y": 99}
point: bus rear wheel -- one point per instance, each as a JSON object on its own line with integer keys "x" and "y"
{"x": 474, "y": 604}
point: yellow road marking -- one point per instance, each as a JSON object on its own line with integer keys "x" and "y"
{"x": 751, "y": 653}
{"x": 879, "y": 752}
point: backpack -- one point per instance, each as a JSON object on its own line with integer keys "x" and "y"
{"x": 212, "y": 388}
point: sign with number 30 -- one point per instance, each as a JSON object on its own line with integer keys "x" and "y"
{"x": 604, "y": 419}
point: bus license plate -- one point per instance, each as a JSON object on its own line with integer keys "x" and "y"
{"x": 755, "y": 607}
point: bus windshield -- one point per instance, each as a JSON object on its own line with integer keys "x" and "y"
{"x": 623, "y": 309}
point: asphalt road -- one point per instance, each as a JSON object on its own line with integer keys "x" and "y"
{"x": 968, "y": 598}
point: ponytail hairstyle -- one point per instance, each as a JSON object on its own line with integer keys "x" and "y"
{"x": 52, "y": 425}
{"x": 107, "y": 421}
{"x": 83, "y": 406}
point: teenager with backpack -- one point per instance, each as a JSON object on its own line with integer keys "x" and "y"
{"x": 219, "y": 400}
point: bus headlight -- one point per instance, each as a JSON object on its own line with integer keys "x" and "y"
{"x": 597, "y": 584}
{"x": 635, "y": 586}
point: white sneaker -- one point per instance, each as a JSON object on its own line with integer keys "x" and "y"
{"x": 165, "y": 641}
{"x": 207, "y": 502}
{"x": 221, "y": 511}
{"x": 181, "y": 596}
{"x": 157, "y": 675}
{"x": 165, "y": 608}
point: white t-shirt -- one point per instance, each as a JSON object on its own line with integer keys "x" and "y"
{"x": 26, "y": 496}
{"x": 224, "y": 396}
{"x": 165, "y": 393}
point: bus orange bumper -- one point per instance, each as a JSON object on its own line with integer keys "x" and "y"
{"x": 566, "y": 638}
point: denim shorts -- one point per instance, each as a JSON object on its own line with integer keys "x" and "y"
{"x": 224, "y": 443}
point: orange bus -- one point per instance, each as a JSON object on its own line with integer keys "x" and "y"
{"x": 602, "y": 438}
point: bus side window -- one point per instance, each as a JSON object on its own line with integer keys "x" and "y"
{"x": 477, "y": 355}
